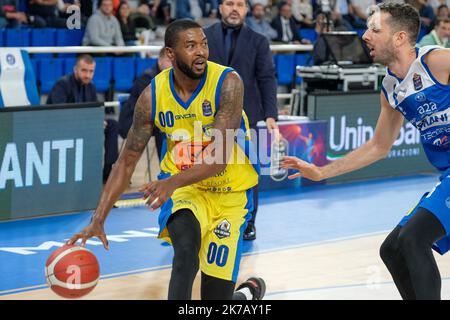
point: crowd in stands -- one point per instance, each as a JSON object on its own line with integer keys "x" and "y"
{"x": 119, "y": 22}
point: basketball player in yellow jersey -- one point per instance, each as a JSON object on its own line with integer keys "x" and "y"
{"x": 204, "y": 204}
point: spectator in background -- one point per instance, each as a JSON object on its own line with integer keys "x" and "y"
{"x": 209, "y": 8}
{"x": 43, "y": 14}
{"x": 188, "y": 9}
{"x": 258, "y": 23}
{"x": 127, "y": 110}
{"x": 77, "y": 87}
{"x": 102, "y": 28}
{"x": 233, "y": 44}
{"x": 350, "y": 15}
{"x": 302, "y": 11}
{"x": 158, "y": 9}
{"x": 9, "y": 17}
{"x": 426, "y": 13}
{"x": 443, "y": 11}
{"x": 284, "y": 24}
{"x": 127, "y": 25}
{"x": 320, "y": 49}
{"x": 440, "y": 35}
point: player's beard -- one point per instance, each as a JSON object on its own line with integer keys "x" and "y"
{"x": 187, "y": 70}
{"x": 388, "y": 55}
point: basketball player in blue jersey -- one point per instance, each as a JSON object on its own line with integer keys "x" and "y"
{"x": 416, "y": 87}
{"x": 205, "y": 205}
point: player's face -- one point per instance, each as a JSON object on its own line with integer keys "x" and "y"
{"x": 191, "y": 53}
{"x": 84, "y": 72}
{"x": 379, "y": 38}
{"x": 233, "y": 12}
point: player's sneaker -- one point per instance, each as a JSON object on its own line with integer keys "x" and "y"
{"x": 257, "y": 287}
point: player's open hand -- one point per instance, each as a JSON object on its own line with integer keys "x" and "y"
{"x": 307, "y": 170}
{"x": 157, "y": 193}
{"x": 95, "y": 229}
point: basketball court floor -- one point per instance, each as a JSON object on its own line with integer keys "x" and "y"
{"x": 319, "y": 242}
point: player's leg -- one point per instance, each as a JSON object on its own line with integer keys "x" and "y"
{"x": 415, "y": 242}
{"x": 213, "y": 288}
{"x": 396, "y": 264}
{"x": 185, "y": 234}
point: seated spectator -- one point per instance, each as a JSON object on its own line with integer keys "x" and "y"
{"x": 127, "y": 25}
{"x": 43, "y": 14}
{"x": 351, "y": 15}
{"x": 159, "y": 10}
{"x": 425, "y": 11}
{"x": 209, "y": 8}
{"x": 302, "y": 11}
{"x": 127, "y": 111}
{"x": 77, "y": 87}
{"x": 102, "y": 28}
{"x": 443, "y": 11}
{"x": 258, "y": 23}
{"x": 286, "y": 27}
{"x": 9, "y": 17}
{"x": 320, "y": 50}
{"x": 188, "y": 9}
{"x": 440, "y": 35}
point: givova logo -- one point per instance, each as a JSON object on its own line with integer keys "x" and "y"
{"x": 38, "y": 158}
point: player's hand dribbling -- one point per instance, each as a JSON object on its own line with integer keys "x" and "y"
{"x": 94, "y": 229}
{"x": 307, "y": 170}
{"x": 157, "y": 192}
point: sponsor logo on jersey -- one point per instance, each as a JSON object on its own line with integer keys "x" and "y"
{"x": 420, "y": 97}
{"x": 417, "y": 81}
{"x": 207, "y": 109}
{"x": 437, "y": 119}
{"x": 223, "y": 229}
{"x": 185, "y": 116}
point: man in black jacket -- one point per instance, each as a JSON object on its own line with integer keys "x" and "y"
{"x": 77, "y": 87}
{"x": 233, "y": 44}
{"x": 127, "y": 110}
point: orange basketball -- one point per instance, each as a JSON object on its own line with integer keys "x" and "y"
{"x": 72, "y": 271}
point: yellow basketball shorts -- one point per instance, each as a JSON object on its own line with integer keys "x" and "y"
{"x": 222, "y": 217}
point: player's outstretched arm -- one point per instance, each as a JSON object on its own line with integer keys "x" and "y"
{"x": 386, "y": 131}
{"x": 137, "y": 139}
{"x": 227, "y": 120}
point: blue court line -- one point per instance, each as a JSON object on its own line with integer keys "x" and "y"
{"x": 285, "y": 219}
{"x": 140, "y": 271}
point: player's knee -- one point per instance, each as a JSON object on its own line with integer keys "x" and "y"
{"x": 186, "y": 256}
{"x": 388, "y": 250}
{"x": 408, "y": 242}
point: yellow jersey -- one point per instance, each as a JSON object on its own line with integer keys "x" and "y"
{"x": 186, "y": 125}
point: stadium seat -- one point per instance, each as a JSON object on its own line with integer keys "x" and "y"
{"x": 309, "y": 34}
{"x": 144, "y": 64}
{"x": 69, "y": 63}
{"x": 65, "y": 37}
{"x": 124, "y": 72}
{"x": 43, "y": 37}
{"x": 17, "y": 38}
{"x": 35, "y": 64}
{"x": 285, "y": 68}
{"x": 103, "y": 73}
{"x": 2, "y": 37}
{"x": 50, "y": 71}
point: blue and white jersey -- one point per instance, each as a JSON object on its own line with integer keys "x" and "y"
{"x": 425, "y": 103}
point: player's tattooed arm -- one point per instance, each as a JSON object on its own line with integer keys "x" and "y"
{"x": 227, "y": 120}
{"x": 137, "y": 139}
